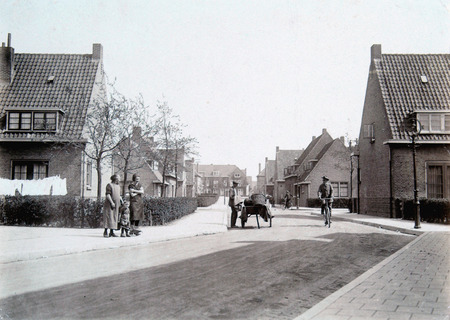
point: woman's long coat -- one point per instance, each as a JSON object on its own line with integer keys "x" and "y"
{"x": 136, "y": 203}
{"x": 110, "y": 215}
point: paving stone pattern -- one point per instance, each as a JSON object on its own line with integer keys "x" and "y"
{"x": 412, "y": 284}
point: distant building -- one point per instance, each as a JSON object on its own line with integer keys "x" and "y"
{"x": 283, "y": 158}
{"x": 217, "y": 179}
{"x": 324, "y": 156}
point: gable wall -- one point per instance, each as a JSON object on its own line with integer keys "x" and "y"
{"x": 374, "y": 157}
{"x": 335, "y": 164}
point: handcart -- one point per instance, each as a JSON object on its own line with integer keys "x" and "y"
{"x": 256, "y": 205}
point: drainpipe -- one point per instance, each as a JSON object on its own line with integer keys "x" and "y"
{"x": 391, "y": 207}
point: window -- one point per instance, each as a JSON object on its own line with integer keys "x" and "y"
{"x": 27, "y": 121}
{"x": 368, "y": 132}
{"x": 438, "y": 180}
{"x": 215, "y": 173}
{"x": 29, "y": 170}
{"x": 89, "y": 174}
{"x": 44, "y": 121}
{"x": 19, "y": 121}
{"x": 237, "y": 175}
{"x": 309, "y": 165}
{"x": 152, "y": 164}
{"x": 434, "y": 122}
{"x": 216, "y": 183}
{"x": 340, "y": 189}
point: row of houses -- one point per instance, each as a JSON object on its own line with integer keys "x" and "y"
{"x": 404, "y": 92}
{"x": 44, "y": 102}
{"x": 300, "y": 171}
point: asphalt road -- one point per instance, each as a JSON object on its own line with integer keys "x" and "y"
{"x": 267, "y": 273}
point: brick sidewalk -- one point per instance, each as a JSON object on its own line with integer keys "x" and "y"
{"x": 412, "y": 284}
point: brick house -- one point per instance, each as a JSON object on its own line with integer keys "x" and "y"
{"x": 323, "y": 156}
{"x": 217, "y": 179}
{"x": 283, "y": 158}
{"x": 266, "y": 178}
{"x": 44, "y": 99}
{"x": 400, "y": 86}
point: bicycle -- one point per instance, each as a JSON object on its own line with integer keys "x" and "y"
{"x": 327, "y": 212}
{"x": 286, "y": 204}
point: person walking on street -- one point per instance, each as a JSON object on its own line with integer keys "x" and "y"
{"x": 325, "y": 194}
{"x": 232, "y": 204}
{"x": 111, "y": 207}
{"x": 136, "y": 204}
{"x": 287, "y": 200}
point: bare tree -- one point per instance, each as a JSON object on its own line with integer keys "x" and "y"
{"x": 172, "y": 145}
{"x": 182, "y": 147}
{"x": 163, "y": 154}
{"x": 104, "y": 130}
{"x": 137, "y": 139}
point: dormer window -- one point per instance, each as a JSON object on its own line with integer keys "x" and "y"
{"x": 434, "y": 122}
{"x": 34, "y": 121}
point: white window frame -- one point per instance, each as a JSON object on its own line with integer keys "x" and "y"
{"x": 25, "y": 116}
{"x": 425, "y": 119}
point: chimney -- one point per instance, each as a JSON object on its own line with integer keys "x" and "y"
{"x": 324, "y": 131}
{"x": 277, "y": 149}
{"x": 375, "y": 51}
{"x": 313, "y": 138}
{"x": 342, "y": 138}
{"x": 6, "y": 63}
{"x": 259, "y": 167}
{"x": 97, "y": 51}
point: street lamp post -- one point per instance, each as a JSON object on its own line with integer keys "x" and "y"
{"x": 416, "y": 198}
{"x": 413, "y": 130}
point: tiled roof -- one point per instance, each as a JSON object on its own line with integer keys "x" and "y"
{"x": 311, "y": 151}
{"x": 70, "y": 90}
{"x": 284, "y": 159}
{"x": 224, "y": 170}
{"x": 403, "y": 91}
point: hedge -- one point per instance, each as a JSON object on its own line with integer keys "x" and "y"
{"x": 206, "y": 200}
{"x": 431, "y": 210}
{"x": 337, "y": 203}
{"x": 73, "y": 212}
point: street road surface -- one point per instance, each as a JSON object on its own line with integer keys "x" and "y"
{"x": 267, "y": 273}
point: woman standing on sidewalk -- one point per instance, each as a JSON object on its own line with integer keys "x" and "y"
{"x": 111, "y": 206}
{"x": 136, "y": 204}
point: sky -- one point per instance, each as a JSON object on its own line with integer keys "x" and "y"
{"x": 244, "y": 76}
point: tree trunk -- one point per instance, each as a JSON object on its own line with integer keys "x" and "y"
{"x": 99, "y": 180}
{"x": 125, "y": 177}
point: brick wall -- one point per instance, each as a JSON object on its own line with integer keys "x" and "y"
{"x": 64, "y": 162}
{"x": 402, "y": 173}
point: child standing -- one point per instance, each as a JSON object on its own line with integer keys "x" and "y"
{"x": 125, "y": 219}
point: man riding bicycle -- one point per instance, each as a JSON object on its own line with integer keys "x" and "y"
{"x": 325, "y": 194}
